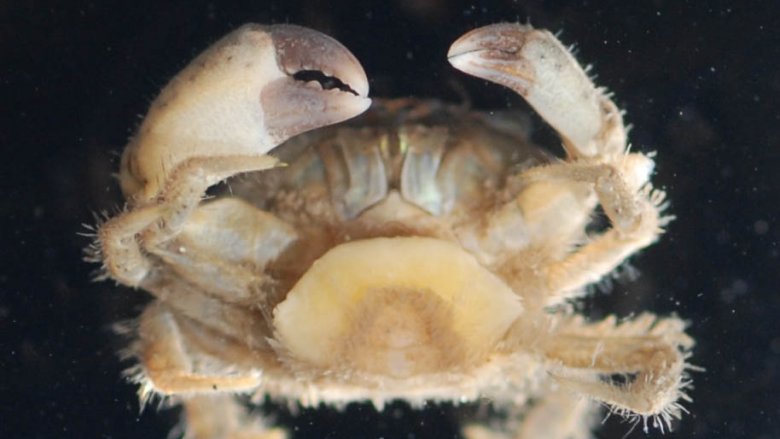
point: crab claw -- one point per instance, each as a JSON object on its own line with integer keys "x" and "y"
{"x": 246, "y": 94}
{"x": 323, "y": 83}
{"x": 537, "y": 66}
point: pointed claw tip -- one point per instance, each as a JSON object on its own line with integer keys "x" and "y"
{"x": 501, "y": 39}
{"x": 496, "y": 53}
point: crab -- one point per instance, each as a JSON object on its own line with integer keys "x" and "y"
{"x": 420, "y": 252}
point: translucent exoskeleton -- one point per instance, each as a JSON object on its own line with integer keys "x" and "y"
{"x": 420, "y": 251}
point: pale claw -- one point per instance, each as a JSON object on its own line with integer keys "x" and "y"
{"x": 246, "y": 94}
{"x": 537, "y": 66}
{"x": 221, "y": 116}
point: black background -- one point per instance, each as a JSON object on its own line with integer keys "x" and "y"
{"x": 699, "y": 81}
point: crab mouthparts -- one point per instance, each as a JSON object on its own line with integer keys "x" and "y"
{"x": 395, "y": 307}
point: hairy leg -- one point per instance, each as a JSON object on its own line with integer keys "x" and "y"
{"x": 125, "y": 238}
{"x": 647, "y": 356}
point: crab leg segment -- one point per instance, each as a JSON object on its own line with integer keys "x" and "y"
{"x": 635, "y": 214}
{"x": 537, "y": 66}
{"x": 167, "y": 367}
{"x": 159, "y": 221}
{"x": 560, "y": 415}
{"x": 648, "y": 350}
{"x": 221, "y": 416}
{"x": 219, "y": 117}
{"x": 224, "y": 247}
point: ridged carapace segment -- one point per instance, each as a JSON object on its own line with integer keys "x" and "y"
{"x": 438, "y": 158}
{"x": 396, "y": 307}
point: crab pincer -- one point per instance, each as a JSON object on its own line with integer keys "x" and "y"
{"x": 537, "y": 66}
{"x": 221, "y": 116}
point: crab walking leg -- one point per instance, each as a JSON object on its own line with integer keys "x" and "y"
{"x": 560, "y": 415}
{"x": 222, "y": 417}
{"x": 635, "y": 215}
{"x": 221, "y": 116}
{"x": 224, "y": 247}
{"x": 621, "y": 185}
{"x": 122, "y": 257}
{"x": 537, "y": 66}
{"x": 167, "y": 365}
{"x": 188, "y": 184}
{"x": 156, "y": 223}
{"x": 237, "y": 322}
{"x": 654, "y": 350}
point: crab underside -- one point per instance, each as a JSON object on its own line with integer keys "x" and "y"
{"x": 420, "y": 252}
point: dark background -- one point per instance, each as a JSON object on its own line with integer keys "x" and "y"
{"x": 699, "y": 81}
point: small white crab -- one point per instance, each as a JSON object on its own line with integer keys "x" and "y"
{"x": 421, "y": 252}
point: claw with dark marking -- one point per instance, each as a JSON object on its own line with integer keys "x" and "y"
{"x": 324, "y": 82}
{"x": 246, "y": 94}
{"x": 537, "y": 66}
